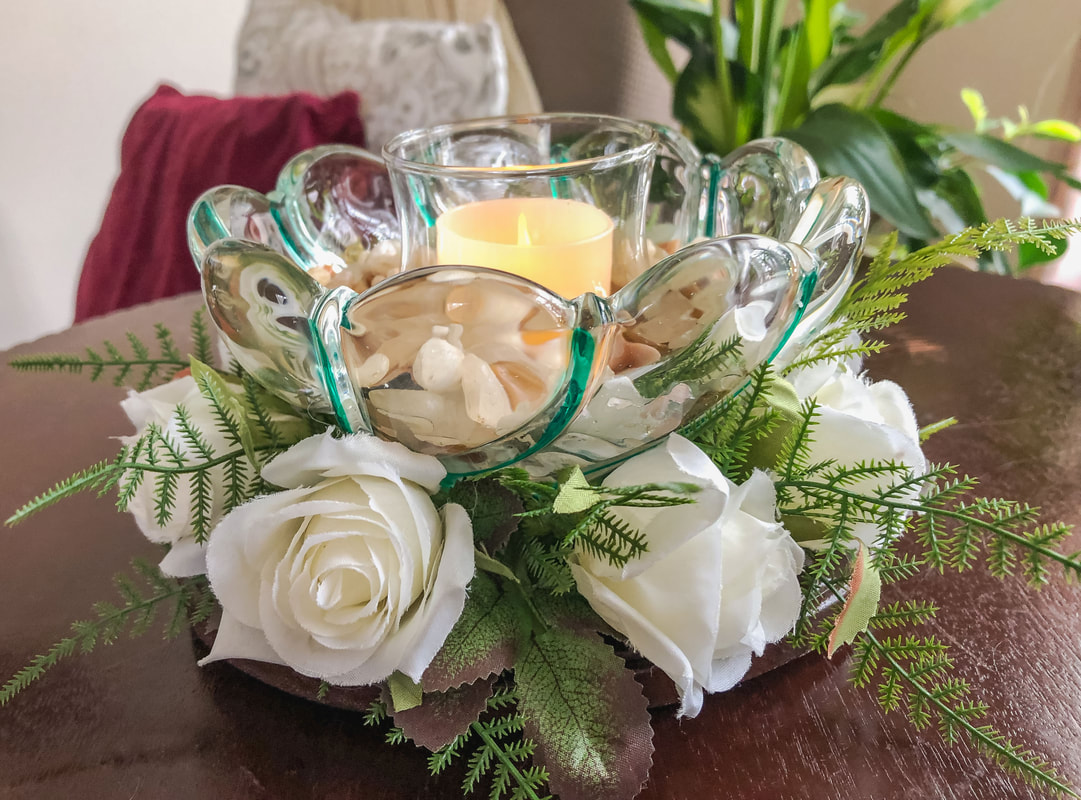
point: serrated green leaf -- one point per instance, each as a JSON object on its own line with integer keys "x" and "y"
{"x": 482, "y": 641}
{"x": 492, "y": 508}
{"x": 587, "y": 715}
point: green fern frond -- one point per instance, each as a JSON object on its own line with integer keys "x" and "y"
{"x": 547, "y": 565}
{"x": 921, "y": 667}
{"x": 907, "y": 612}
{"x": 698, "y": 362}
{"x": 606, "y": 537}
{"x": 149, "y": 368}
{"x": 202, "y": 346}
{"x": 134, "y": 615}
{"x": 93, "y": 477}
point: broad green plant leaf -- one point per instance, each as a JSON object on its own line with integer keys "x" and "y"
{"x": 999, "y": 153}
{"x": 818, "y": 30}
{"x": 700, "y": 103}
{"x": 951, "y": 13}
{"x": 915, "y": 143}
{"x": 657, "y": 44}
{"x": 850, "y": 143}
{"x": 1028, "y": 189}
{"x": 853, "y": 62}
{"x": 686, "y": 21}
{"x": 587, "y": 715}
{"x": 1058, "y": 129}
{"x": 864, "y": 593}
{"x": 793, "y": 97}
{"x": 957, "y": 189}
{"x": 481, "y": 643}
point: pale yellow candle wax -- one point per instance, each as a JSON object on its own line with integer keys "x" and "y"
{"x": 564, "y": 245}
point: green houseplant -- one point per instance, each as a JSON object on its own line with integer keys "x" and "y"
{"x": 819, "y": 74}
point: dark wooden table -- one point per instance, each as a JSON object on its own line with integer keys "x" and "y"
{"x": 141, "y": 720}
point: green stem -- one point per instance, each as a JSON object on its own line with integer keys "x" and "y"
{"x": 502, "y": 756}
{"x": 1054, "y": 555}
{"x": 895, "y": 73}
{"x": 724, "y": 79}
{"x": 41, "y": 363}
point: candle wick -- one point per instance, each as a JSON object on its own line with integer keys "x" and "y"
{"x": 523, "y": 231}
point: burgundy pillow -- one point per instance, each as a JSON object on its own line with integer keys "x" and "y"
{"x": 175, "y": 148}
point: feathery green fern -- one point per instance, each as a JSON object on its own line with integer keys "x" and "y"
{"x": 143, "y": 595}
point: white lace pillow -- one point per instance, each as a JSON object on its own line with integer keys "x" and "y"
{"x": 408, "y": 73}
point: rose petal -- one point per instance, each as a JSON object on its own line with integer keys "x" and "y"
{"x": 185, "y": 559}
{"x": 323, "y": 456}
{"x": 234, "y": 639}
{"x": 666, "y": 528}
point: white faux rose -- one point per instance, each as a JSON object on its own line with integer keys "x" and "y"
{"x": 348, "y": 575}
{"x": 158, "y": 406}
{"x": 718, "y": 582}
{"x": 860, "y": 421}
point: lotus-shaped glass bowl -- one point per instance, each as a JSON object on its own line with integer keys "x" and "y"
{"x": 332, "y": 293}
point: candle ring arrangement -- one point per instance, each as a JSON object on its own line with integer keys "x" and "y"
{"x": 627, "y": 258}
{"x": 537, "y": 424}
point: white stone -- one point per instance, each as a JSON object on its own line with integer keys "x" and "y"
{"x": 438, "y": 365}
{"x": 486, "y": 401}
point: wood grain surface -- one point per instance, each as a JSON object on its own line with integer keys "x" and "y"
{"x": 141, "y": 720}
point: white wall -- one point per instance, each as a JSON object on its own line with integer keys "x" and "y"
{"x": 1023, "y": 52}
{"x": 71, "y": 73}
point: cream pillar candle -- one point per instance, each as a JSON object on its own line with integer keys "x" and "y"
{"x": 564, "y": 245}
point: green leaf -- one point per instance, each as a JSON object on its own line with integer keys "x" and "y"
{"x": 686, "y": 21}
{"x": 1029, "y": 255}
{"x": 1058, "y": 129}
{"x": 847, "y": 142}
{"x": 1028, "y": 189}
{"x": 957, "y": 189}
{"x": 492, "y": 508}
{"x": 481, "y": 643}
{"x": 702, "y": 106}
{"x": 657, "y": 45}
{"x": 575, "y": 495}
{"x": 976, "y": 106}
{"x": 405, "y": 693}
{"x": 793, "y": 95}
{"x": 489, "y": 564}
{"x": 587, "y": 715}
{"x": 818, "y": 30}
{"x": 951, "y": 13}
{"x": 229, "y": 408}
{"x": 864, "y": 593}
{"x": 855, "y": 61}
{"x": 1002, "y": 154}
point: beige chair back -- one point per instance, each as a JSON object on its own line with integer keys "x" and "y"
{"x": 522, "y": 95}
